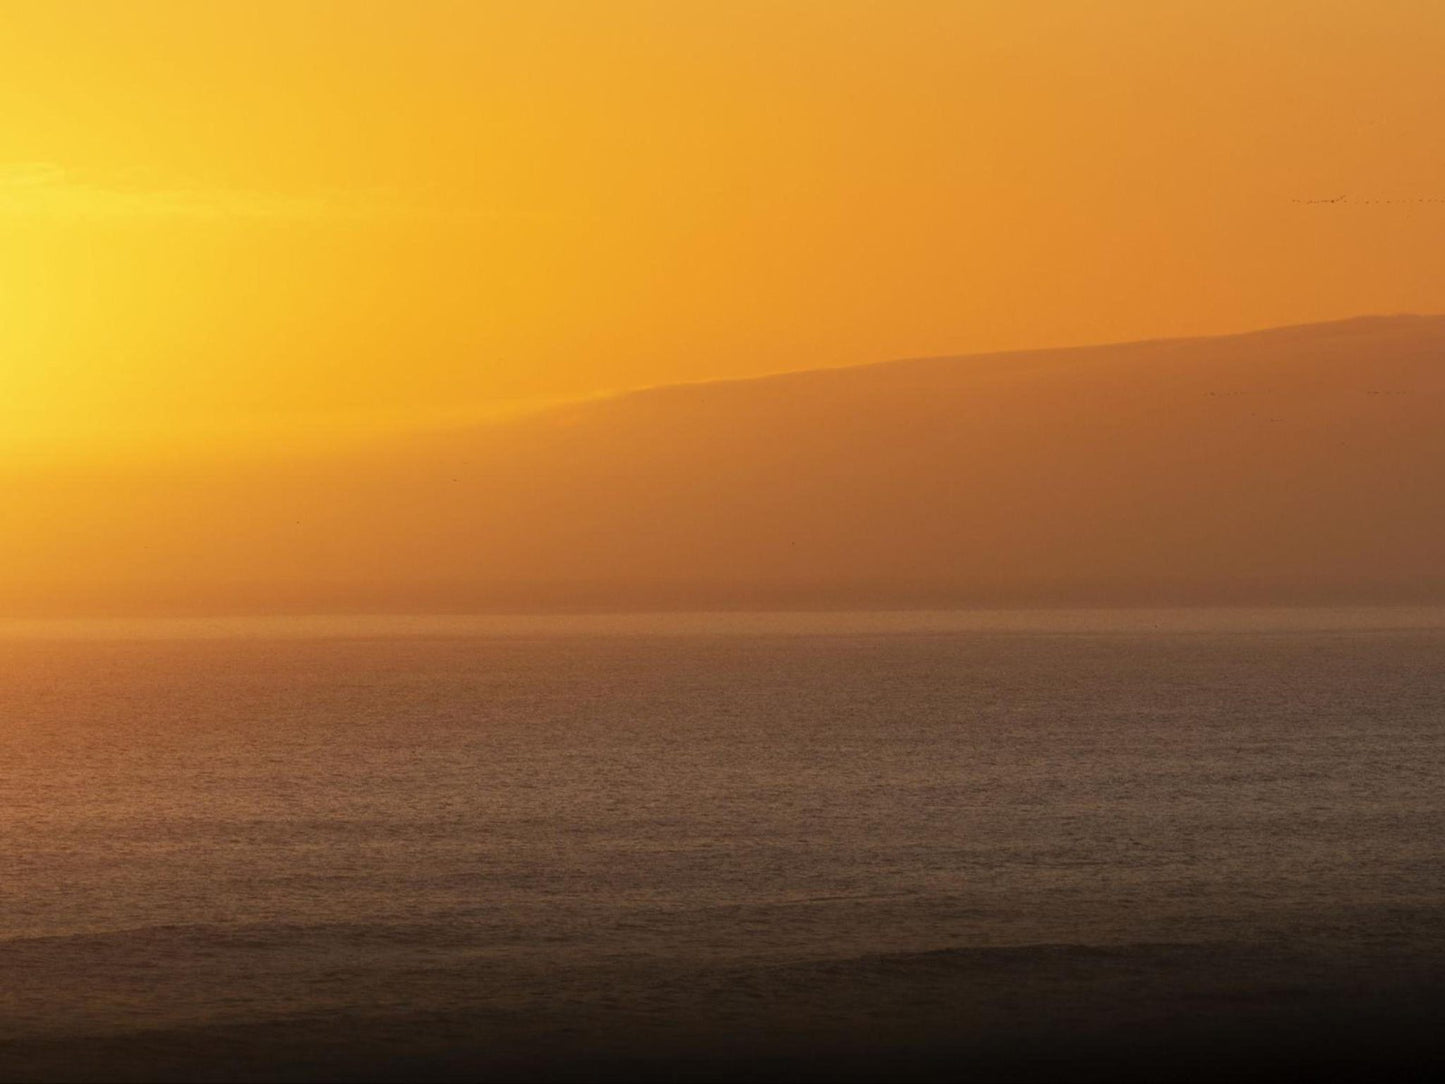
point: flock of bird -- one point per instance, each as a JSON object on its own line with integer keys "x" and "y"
{"x": 1346, "y": 199}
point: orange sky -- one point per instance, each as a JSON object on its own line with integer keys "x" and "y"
{"x": 262, "y": 219}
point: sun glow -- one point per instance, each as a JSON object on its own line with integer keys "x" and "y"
{"x": 216, "y": 214}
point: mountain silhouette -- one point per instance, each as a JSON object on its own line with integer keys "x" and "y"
{"x": 1301, "y": 464}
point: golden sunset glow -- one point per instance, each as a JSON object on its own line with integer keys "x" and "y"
{"x": 242, "y": 244}
{"x": 703, "y": 540}
{"x": 277, "y": 217}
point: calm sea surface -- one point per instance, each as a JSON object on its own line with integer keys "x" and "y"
{"x": 213, "y": 822}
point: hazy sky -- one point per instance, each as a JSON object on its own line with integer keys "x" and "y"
{"x": 248, "y": 219}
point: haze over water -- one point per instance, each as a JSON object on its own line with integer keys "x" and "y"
{"x": 717, "y": 831}
{"x": 336, "y": 335}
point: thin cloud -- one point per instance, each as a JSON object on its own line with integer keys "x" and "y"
{"x": 45, "y": 190}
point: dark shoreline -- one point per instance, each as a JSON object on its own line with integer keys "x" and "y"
{"x": 1039, "y": 1013}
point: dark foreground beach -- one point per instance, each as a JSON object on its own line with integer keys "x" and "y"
{"x": 1044, "y": 1013}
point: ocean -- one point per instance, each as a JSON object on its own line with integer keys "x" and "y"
{"x": 1039, "y": 845}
